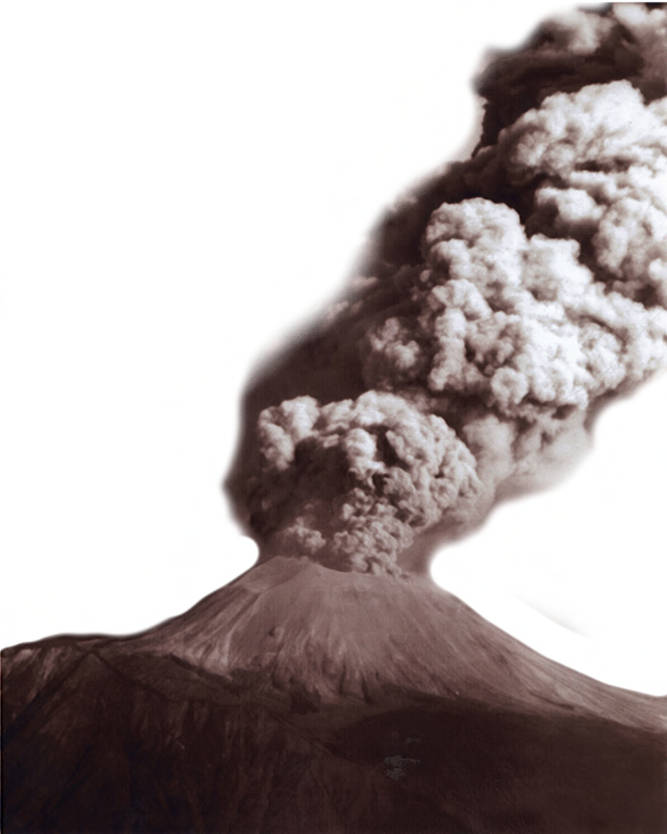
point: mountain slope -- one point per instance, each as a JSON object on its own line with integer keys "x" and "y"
{"x": 343, "y": 634}
{"x": 298, "y": 698}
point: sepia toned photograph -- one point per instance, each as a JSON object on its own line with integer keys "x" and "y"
{"x": 332, "y": 346}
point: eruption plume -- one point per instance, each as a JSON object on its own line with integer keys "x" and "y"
{"x": 527, "y": 285}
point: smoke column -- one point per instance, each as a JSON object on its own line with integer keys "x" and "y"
{"x": 502, "y": 304}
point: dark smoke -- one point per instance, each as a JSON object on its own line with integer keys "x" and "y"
{"x": 504, "y": 302}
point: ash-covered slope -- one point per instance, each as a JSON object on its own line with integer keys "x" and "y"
{"x": 301, "y": 698}
{"x": 348, "y": 635}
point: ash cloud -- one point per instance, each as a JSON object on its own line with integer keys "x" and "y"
{"x": 349, "y": 482}
{"x": 503, "y": 302}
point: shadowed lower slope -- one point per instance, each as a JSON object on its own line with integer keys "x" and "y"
{"x": 298, "y": 698}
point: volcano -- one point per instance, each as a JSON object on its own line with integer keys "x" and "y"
{"x": 300, "y": 698}
{"x": 334, "y": 688}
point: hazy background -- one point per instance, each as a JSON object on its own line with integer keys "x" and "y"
{"x": 181, "y": 186}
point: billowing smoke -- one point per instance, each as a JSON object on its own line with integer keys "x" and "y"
{"x": 504, "y": 302}
{"x": 349, "y": 482}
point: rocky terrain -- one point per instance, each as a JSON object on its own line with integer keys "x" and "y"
{"x": 300, "y": 698}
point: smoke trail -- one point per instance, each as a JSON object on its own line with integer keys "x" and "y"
{"x": 504, "y": 302}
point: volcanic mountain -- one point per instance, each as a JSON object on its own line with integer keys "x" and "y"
{"x": 302, "y": 698}
{"x": 333, "y": 687}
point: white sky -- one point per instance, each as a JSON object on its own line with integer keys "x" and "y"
{"x": 181, "y": 184}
